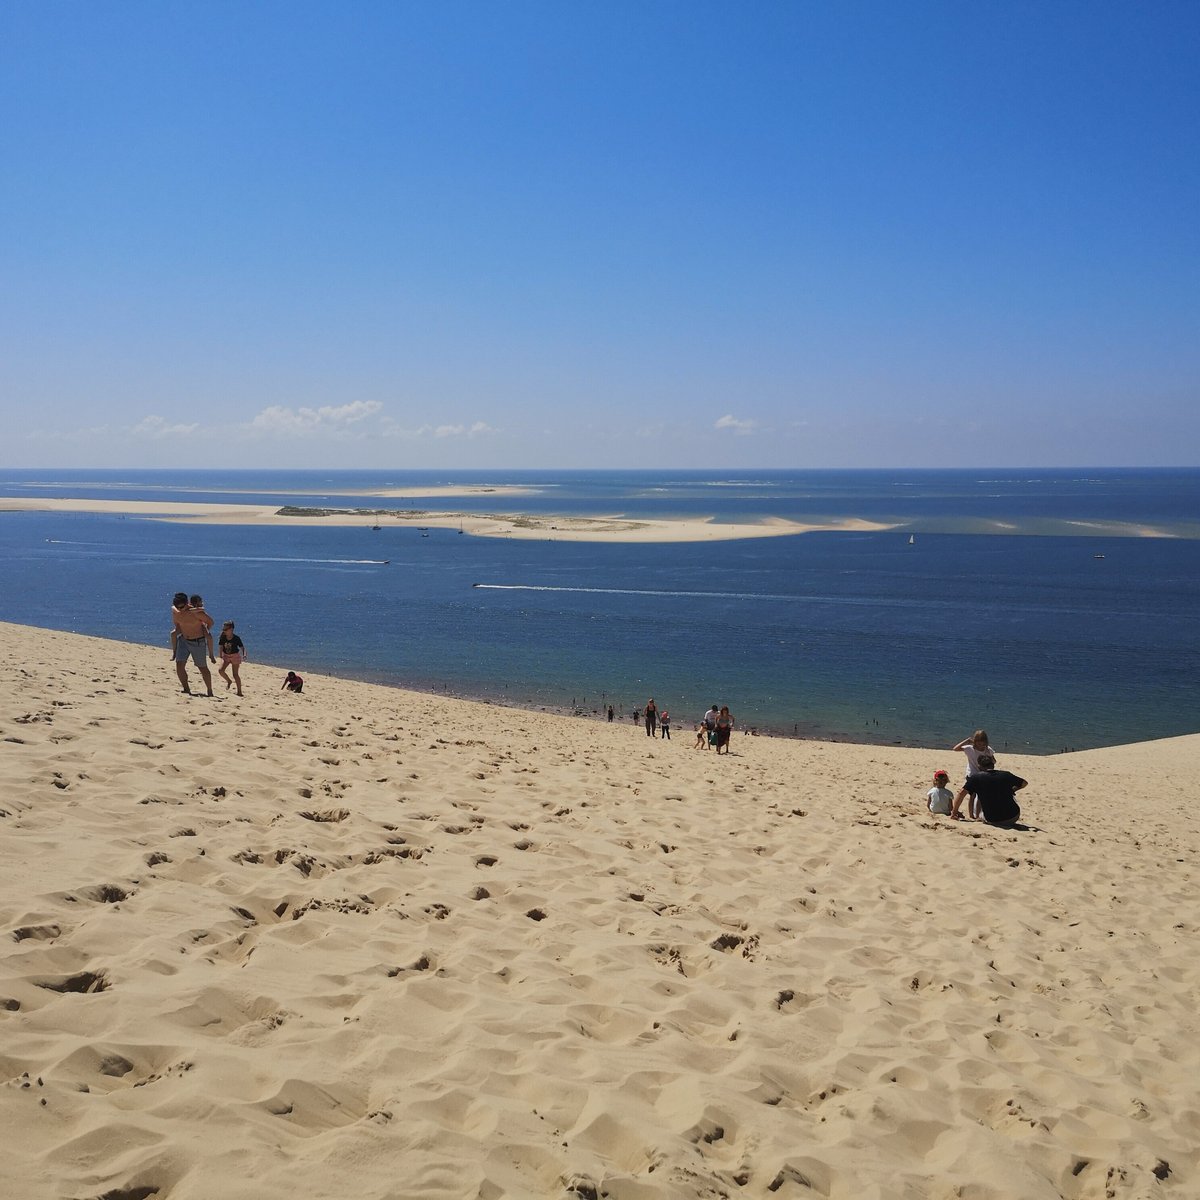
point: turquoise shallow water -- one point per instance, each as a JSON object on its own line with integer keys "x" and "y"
{"x": 848, "y": 635}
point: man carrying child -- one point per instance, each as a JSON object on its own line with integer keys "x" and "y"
{"x": 190, "y": 637}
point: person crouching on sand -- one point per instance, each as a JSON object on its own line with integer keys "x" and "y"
{"x": 293, "y": 682}
{"x": 994, "y": 790}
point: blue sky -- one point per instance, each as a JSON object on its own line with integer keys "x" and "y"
{"x": 600, "y": 234}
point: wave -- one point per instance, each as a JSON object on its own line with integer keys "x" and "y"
{"x": 541, "y": 587}
{"x": 227, "y": 558}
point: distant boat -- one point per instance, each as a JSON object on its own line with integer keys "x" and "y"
{"x": 375, "y": 527}
{"x": 912, "y": 539}
{"x": 1097, "y": 555}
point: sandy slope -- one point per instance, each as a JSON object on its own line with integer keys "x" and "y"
{"x": 365, "y": 943}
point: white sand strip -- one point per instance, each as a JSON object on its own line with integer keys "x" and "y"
{"x": 541, "y": 527}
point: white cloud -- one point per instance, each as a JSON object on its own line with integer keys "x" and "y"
{"x": 304, "y": 421}
{"x": 156, "y": 427}
{"x": 477, "y": 429}
{"x": 729, "y": 421}
{"x": 85, "y": 434}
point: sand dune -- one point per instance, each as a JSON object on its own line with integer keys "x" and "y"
{"x": 369, "y": 943}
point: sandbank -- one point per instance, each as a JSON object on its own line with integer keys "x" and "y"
{"x": 540, "y": 527}
{"x": 436, "y": 490}
{"x": 374, "y": 943}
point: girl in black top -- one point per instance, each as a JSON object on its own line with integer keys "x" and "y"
{"x": 233, "y": 654}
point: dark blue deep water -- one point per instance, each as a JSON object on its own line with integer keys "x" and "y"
{"x": 857, "y": 635}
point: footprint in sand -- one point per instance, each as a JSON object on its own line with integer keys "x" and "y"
{"x": 43, "y": 933}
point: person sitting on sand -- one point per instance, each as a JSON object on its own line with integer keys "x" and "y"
{"x": 973, "y": 747}
{"x": 995, "y": 792}
{"x": 233, "y": 654}
{"x": 293, "y": 682}
{"x": 191, "y": 625}
{"x": 940, "y": 798}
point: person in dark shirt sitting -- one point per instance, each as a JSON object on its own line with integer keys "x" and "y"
{"x": 995, "y": 792}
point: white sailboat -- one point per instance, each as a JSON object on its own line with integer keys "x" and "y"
{"x": 912, "y": 539}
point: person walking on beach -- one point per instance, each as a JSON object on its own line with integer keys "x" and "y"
{"x": 611, "y": 714}
{"x": 664, "y": 724}
{"x": 651, "y": 717}
{"x": 995, "y": 792}
{"x": 724, "y": 728}
{"x": 233, "y": 654}
{"x": 973, "y": 747}
{"x": 191, "y": 624}
{"x": 707, "y": 735}
{"x": 196, "y": 604}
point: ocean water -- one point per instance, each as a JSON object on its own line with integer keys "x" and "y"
{"x": 849, "y": 635}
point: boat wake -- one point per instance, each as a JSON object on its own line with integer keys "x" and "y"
{"x": 538, "y": 587}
